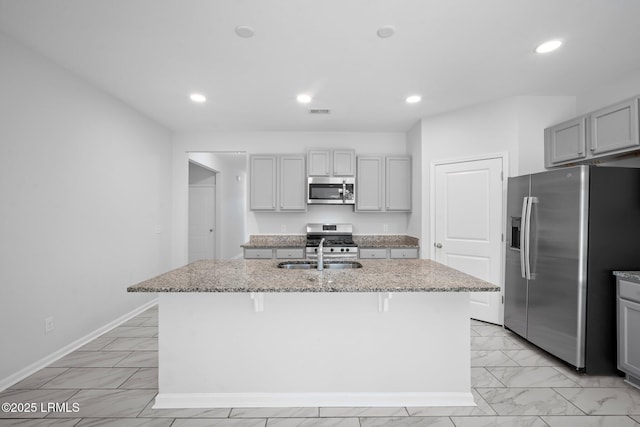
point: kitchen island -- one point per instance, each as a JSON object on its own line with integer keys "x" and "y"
{"x": 245, "y": 333}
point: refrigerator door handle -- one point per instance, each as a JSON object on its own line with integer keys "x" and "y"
{"x": 523, "y": 237}
{"x": 527, "y": 244}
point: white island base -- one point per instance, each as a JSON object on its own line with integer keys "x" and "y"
{"x": 221, "y": 350}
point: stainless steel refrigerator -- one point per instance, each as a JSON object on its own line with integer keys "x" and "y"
{"x": 567, "y": 229}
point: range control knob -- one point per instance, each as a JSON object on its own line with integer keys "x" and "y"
{"x": 331, "y": 249}
{"x": 347, "y": 249}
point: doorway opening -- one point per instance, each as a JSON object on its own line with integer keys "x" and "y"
{"x": 216, "y": 205}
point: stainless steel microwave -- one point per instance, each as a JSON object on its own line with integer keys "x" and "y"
{"x": 331, "y": 191}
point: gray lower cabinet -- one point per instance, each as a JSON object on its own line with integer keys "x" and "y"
{"x": 628, "y": 327}
{"x": 250, "y": 253}
{"x": 386, "y": 253}
{"x": 396, "y": 253}
{"x": 268, "y": 253}
{"x": 290, "y": 253}
{"x": 373, "y": 253}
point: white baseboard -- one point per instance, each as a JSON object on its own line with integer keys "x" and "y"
{"x": 46, "y": 361}
{"x": 257, "y": 400}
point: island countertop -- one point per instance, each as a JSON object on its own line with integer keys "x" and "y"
{"x": 411, "y": 275}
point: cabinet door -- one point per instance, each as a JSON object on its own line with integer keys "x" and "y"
{"x": 614, "y": 128}
{"x": 398, "y": 184}
{"x": 262, "y": 186}
{"x": 628, "y": 337}
{"x": 344, "y": 162}
{"x": 369, "y": 183}
{"x": 565, "y": 142}
{"x": 318, "y": 162}
{"x": 293, "y": 184}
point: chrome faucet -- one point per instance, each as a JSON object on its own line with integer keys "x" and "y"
{"x": 320, "y": 255}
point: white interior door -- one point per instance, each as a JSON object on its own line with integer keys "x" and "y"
{"x": 468, "y": 227}
{"x": 202, "y": 202}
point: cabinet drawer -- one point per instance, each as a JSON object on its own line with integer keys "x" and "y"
{"x": 290, "y": 253}
{"x": 630, "y": 290}
{"x": 404, "y": 253}
{"x": 258, "y": 253}
{"x": 373, "y": 253}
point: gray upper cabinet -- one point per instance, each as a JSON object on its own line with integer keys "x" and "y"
{"x": 319, "y": 162}
{"x": 344, "y": 162}
{"x": 277, "y": 183}
{"x": 369, "y": 183}
{"x": 262, "y": 182}
{"x": 595, "y": 137}
{"x": 398, "y": 184}
{"x": 331, "y": 162}
{"x": 566, "y": 142}
{"x": 293, "y": 183}
{"x": 383, "y": 184}
{"x": 614, "y": 128}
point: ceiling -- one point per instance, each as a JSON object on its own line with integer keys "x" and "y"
{"x": 153, "y": 53}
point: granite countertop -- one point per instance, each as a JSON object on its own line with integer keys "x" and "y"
{"x": 631, "y": 275}
{"x": 386, "y": 241}
{"x": 266, "y": 241}
{"x": 415, "y": 275}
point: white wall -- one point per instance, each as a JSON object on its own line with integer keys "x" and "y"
{"x": 231, "y": 199}
{"x": 282, "y": 143}
{"x": 85, "y": 190}
{"x": 420, "y": 204}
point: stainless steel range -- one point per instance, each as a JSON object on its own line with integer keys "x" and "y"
{"x": 338, "y": 241}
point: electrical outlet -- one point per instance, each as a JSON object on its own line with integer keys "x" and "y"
{"x": 283, "y": 228}
{"x": 49, "y": 324}
{"x": 385, "y": 228}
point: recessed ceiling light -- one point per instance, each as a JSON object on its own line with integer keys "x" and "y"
{"x": 412, "y": 99}
{"x": 244, "y": 31}
{"x": 303, "y": 98}
{"x": 198, "y": 97}
{"x": 386, "y": 31}
{"x": 549, "y": 46}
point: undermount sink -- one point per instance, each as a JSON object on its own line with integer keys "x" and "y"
{"x": 313, "y": 265}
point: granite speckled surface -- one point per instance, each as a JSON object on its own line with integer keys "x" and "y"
{"x": 266, "y": 241}
{"x": 415, "y": 275}
{"x": 630, "y": 275}
{"x": 386, "y": 241}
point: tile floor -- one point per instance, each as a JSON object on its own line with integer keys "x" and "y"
{"x": 113, "y": 380}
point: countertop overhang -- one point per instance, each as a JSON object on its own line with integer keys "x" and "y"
{"x": 414, "y": 275}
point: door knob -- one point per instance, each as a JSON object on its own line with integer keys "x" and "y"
{"x": 437, "y": 245}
